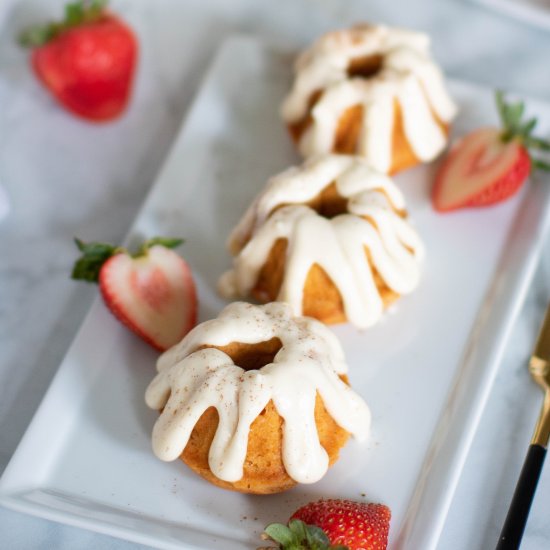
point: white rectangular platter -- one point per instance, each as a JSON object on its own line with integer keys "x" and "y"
{"x": 425, "y": 371}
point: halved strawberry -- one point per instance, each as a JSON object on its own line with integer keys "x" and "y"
{"x": 87, "y": 60}
{"x": 490, "y": 164}
{"x": 151, "y": 292}
{"x": 334, "y": 525}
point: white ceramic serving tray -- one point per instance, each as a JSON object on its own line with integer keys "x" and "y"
{"x": 534, "y": 12}
{"x": 426, "y": 370}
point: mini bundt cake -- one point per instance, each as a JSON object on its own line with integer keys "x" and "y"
{"x": 373, "y": 91}
{"x": 331, "y": 238}
{"x": 256, "y": 400}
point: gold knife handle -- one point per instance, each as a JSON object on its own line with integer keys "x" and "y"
{"x": 542, "y": 429}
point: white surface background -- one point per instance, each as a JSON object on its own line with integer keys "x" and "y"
{"x": 65, "y": 177}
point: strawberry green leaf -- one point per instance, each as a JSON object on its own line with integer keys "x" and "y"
{"x": 36, "y": 36}
{"x": 281, "y": 534}
{"x": 298, "y": 529}
{"x": 537, "y": 143}
{"x": 501, "y": 106}
{"x": 300, "y": 536}
{"x": 514, "y": 128}
{"x": 98, "y": 6}
{"x": 510, "y": 116}
{"x": 94, "y": 255}
{"x": 529, "y": 126}
{"x": 515, "y": 112}
{"x": 167, "y": 242}
{"x": 76, "y": 13}
{"x": 541, "y": 165}
{"x": 317, "y": 536}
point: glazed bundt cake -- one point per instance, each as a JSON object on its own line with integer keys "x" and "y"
{"x": 331, "y": 238}
{"x": 373, "y": 91}
{"x": 256, "y": 400}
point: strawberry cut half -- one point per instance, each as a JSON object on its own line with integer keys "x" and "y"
{"x": 151, "y": 295}
{"x": 152, "y": 292}
{"x": 480, "y": 170}
{"x": 490, "y": 165}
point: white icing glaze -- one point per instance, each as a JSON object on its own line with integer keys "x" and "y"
{"x": 407, "y": 75}
{"x": 309, "y": 362}
{"x": 372, "y": 222}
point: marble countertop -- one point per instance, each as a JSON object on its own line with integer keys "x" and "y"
{"x": 65, "y": 177}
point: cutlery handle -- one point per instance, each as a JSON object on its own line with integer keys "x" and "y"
{"x": 514, "y": 525}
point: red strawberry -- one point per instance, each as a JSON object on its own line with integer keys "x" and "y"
{"x": 87, "y": 61}
{"x": 151, "y": 292}
{"x": 334, "y": 524}
{"x": 490, "y": 164}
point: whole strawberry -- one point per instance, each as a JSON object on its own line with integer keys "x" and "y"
{"x": 490, "y": 164}
{"x": 87, "y": 60}
{"x": 151, "y": 292}
{"x": 334, "y": 525}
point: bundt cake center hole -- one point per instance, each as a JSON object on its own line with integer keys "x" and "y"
{"x": 329, "y": 203}
{"x": 330, "y": 210}
{"x": 365, "y": 67}
{"x": 252, "y": 356}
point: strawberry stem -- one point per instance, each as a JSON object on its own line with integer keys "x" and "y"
{"x": 76, "y": 13}
{"x": 515, "y": 128}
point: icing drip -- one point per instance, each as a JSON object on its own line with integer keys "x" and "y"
{"x": 371, "y": 223}
{"x": 190, "y": 380}
{"x": 407, "y": 76}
